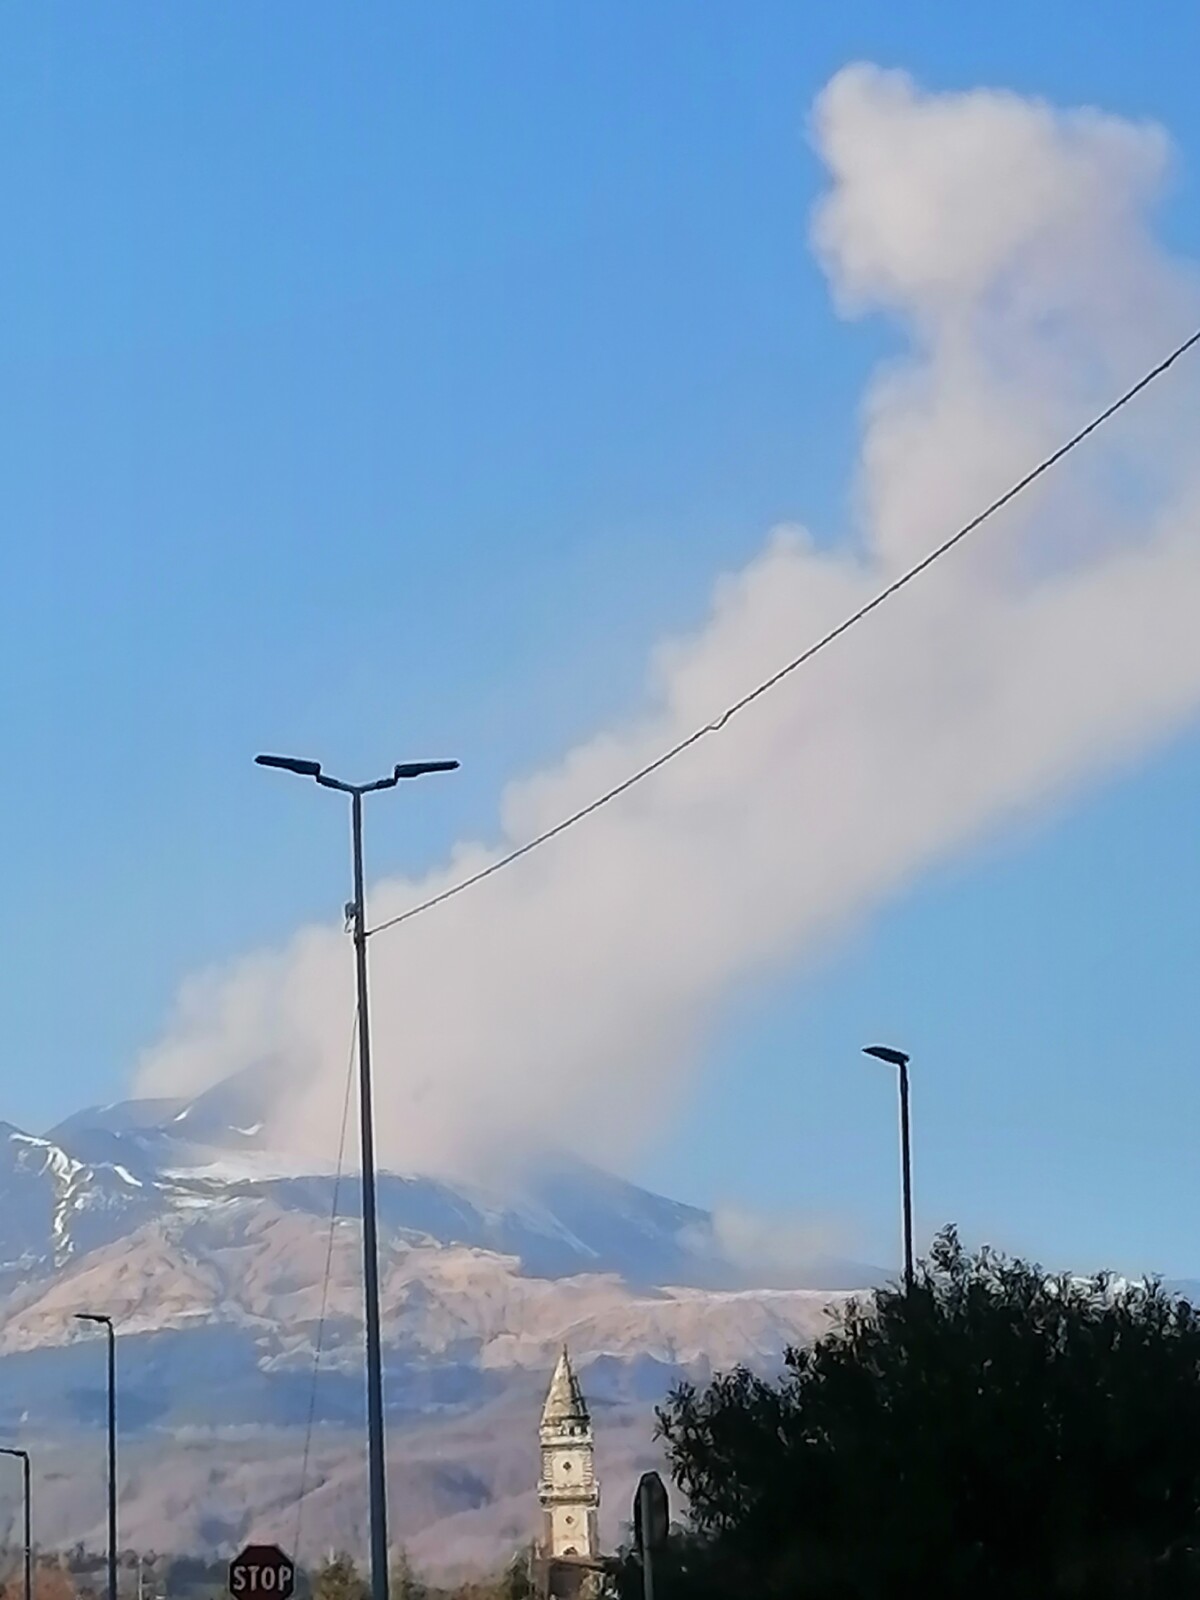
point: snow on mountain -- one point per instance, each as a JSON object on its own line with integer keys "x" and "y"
{"x": 177, "y": 1214}
{"x": 53, "y": 1205}
{"x": 104, "y": 1173}
{"x": 209, "y": 1249}
{"x": 174, "y": 1155}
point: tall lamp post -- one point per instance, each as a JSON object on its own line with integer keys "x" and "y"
{"x": 897, "y": 1058}
{"x": 107, "y": 1324}
{"x": 23, "y": 1457}
{"x": 376, "y": 1455}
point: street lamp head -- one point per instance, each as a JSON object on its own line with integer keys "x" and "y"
{"x": 8, "y": 1450}
{"x": 306, "y": 769}
{"x": 418, "y": 769}
{"x": 94, "y": 1316}
{"x": 883, "y": 1052}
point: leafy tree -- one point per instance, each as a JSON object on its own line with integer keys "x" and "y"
{"x": 997, "y": 1433}
{"x": 51, "y": 1581}
{"x": 404, "y": 1583}
{"x": 340, "y": 1579}
{"x": 686, "y": 1569}
{"x": 515, "y": 1581}
{"x": 512, "y": 1583}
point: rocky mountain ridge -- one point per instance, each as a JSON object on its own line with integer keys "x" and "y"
{"x": 225, "y": 1275}
{"x": 100, "y": 1176}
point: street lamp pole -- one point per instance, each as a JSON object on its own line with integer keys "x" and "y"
{"x": 23, "y": 1457}
{"x": 107, "y": 1324}
{"x": 376, "y": 1449}
{"x": 897, "y": 1058}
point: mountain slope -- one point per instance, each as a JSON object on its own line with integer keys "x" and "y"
{"x": 162, "y": 1156}
{"x": 210, "y": 1251}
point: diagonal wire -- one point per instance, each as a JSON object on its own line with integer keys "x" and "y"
{"x": 333, "y": 1217}
{"x": 849, "y": 622}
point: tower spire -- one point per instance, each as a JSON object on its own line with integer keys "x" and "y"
{"x": 569, "y": 1492}
{"x": 565, "y": 1402}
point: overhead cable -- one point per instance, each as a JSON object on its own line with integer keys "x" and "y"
{"x": 805, "y": 656}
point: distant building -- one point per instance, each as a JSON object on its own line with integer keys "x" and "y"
{"x": 568, "y": 1491}
{"x": 569, "y": 1549}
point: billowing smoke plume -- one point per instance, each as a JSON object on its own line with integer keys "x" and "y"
{"x": 1013, "y": 247}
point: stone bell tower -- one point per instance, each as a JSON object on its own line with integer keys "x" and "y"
{"x": 569, "y": 1492}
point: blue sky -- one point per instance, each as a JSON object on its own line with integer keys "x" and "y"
{"x": 386, "y": 384}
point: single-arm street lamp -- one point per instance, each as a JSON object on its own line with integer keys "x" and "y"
{"x": 376, "y": 1455}
{"x": 897, "y": 1058}
{"x": 23, "y": 1457}
{"x": 107, "y": 1324}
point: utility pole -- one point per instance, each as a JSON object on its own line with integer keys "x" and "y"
{"x": 376, "y": 1441}
{"x": 23, "y": 1457}
{"x": 377, "y": 1456}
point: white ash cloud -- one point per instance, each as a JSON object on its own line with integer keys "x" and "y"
{"x": 1014, "y": 246}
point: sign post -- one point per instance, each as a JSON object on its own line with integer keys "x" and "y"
{"x": 262, "y": 1572}
{"x": 651, "y": 1524}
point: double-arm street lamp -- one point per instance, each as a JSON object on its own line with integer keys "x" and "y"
{"x": 23, "y": 1457}
{"x": 897, "y": 1058}
{"x": 376, "y": 1456}
{"x": 106, "y": 1323}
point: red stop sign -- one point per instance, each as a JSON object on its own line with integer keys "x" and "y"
{"x": 262, "y": 1570}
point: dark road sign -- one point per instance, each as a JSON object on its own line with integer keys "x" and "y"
{"x": 651, "y": 1513}
{"x": 262, "y": 1570}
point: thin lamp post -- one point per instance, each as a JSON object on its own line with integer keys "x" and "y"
{"x": 106, "y": 1323}
{"x": 376, "y": 1452}
{"x": 897, "y": 1058}
{"x": 23, "y": 1457}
